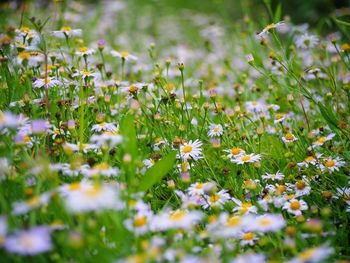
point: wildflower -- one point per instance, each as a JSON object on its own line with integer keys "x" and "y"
{"x": 313, "y": 255}
{"x": 244, "y": 208}
{"x": 302, "y": 187}
{"x": 47, "y": 83}
{"x": 331, "y": 164}
{"x": 295, "y": 207}
{"x": 234, "y": 153}
{"x": 86, "y": 196}
{"x": 140, "y": 223}
{"x": 320, "y": 141}
{"x": 306, "y": 41}
{"x": 276, "y": 176}
{"x": 310, "y": 160}
{"x": 249, "y": 257}
{"x": 248, "y": 239}
{"x": 29, "y": 242}
{"x": 247, "y": 158}
{"x": 176, "y": 219}
{"x": 196, "y": 189}
{"x": 103, "y": 169}
{"x": 148, "y": 162}
{"x": 84, "y": 51}
{"x": 191, "y": 150}
{"x": 269, "y": 27}
{"x": 104, "y": 126}
{"x": 216, "y": 199}
{"x": 67, "y": 31}
{"x": 279, "y": 118}
{"x": 215, "y": 130}
{"x": 107, "y": 139}
{"x": 289, "y": 137}
{"x": 269, "y": 223}
{"x": 124, "y": 55}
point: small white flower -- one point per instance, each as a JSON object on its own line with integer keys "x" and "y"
{"x": 191, "y": 150}
{"x": 215, "y": 130}
{"x": 247, "y": 158}
{"x": 295, "y": 206}
{"x": 124, "y": 55}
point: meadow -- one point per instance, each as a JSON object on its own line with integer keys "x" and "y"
{"x": 137, "y": 132}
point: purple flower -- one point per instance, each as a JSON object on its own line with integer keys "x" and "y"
{"x": 29, "y": 242}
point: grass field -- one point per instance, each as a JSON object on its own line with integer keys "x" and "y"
{"x": 173, "y": 131}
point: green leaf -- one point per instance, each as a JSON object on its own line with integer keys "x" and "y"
{"x": 128, "y": 131}
{"x": 157, "y": 172}
{"x": 328, "y": 115}
{"x": 278, "y": 13}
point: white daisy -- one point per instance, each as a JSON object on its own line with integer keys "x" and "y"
{"x": 191, "y": 150}
{"x": 215, "y": 130}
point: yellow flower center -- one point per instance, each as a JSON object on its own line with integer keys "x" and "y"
{"x": 124, "y": 54}
{"x": 329, "y": 163}
{"x": 245, "y": 158}
{"x": 74, "y": 186}
{"x": 289, "y": 136}
{"x": 83, "y": 49}
{"x": 214, "y": 198}
{"x": 33, "y": 201}
{"x": 248, "y": 236}
{"x": 199, "y": 186}
{"x": 309, "y": 159}
{"x": 102, "y": 124}
{"x": 93, "y": 191}
{"x": 66, "y": 29}
{"x": 305, "y": 255}
{"x": 300, "y": 185}
{"x": 216, "y": 129}
{"x": 133, "y": 89}
{"x": 26, "y": 139}
{"x": 140, "y": 221}
{"x": 245, "y": 207}
{"x": 24, "y": 55}
{"x": 233, "y": 220}
{"x": 177, "y": 215}
{"x": 281, "y": 188}
{"x": 25, "y": 29}
{"x": 102, "y": 166}
{"x": 279, "y": 116}
{"x": 264, "y": 222}
{"x": 235, "y": 151}
{"x": 295, "y": 205}
{"x": 321, "y": 140}
{"x": 187, "y": 149}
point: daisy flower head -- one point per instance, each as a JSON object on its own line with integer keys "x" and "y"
{"x": 234, "y": 152}
{"x": 84, "y": 51}
{"x": 140, "y": 223}
{"x": 269, "y": 223}
{"x": 314, "y": 255}
{"x": 295, "y": 206}
{"x": 276, "y": 176}
{"x": 246, "y": 158}
{"x": 104, "y": 126}
{"x": 67, "y": 32}
{"x": 331, "y": 164}
{"x": 248, "y": 238}
{"x": 47, "y": 83}
{"x": 29, "y": 242}
{"x": 86, "y": 196}
{"x": 269, "y": 27}
{"x": 178, "y": 219}
{"x": 191, "y": 150}
{"x": 306, "y": 41}
{"x": 289, "y": 137}
{"x": 123, "y": 55}
{"x": 216, "y": 199}
{"x": 320, "y": 141}
{"x": 215, "y": 130}
{"x": 243, "y": 207}
{"x": 279, "y": 118}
